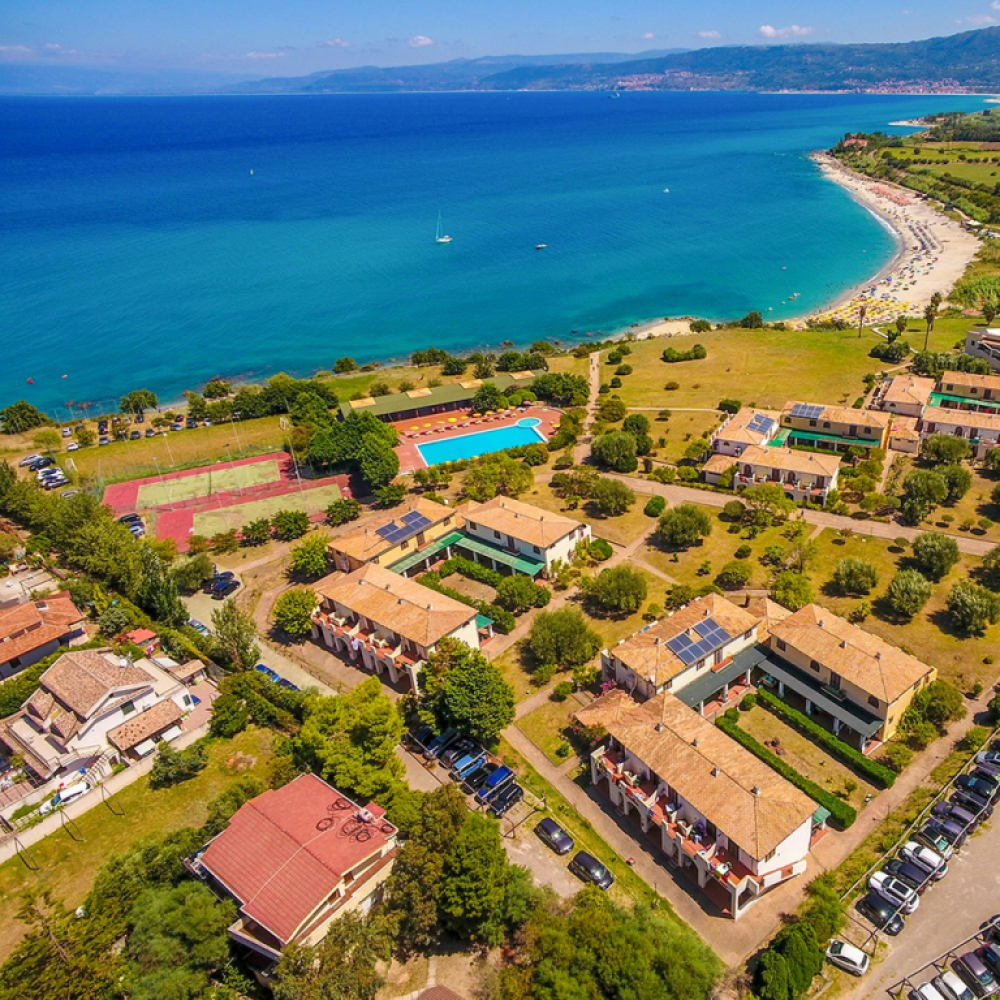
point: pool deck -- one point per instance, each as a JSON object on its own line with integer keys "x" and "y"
{"x": 460, "y": 422}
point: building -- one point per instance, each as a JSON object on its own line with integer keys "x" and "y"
{"x": 92, "y": 705}
{"x": 984, "y": 343}
{"x": 981, "y": 430}
{"x": 715, "y": 810}
{"x": 393, "y": 537}
{"x": 33, "y": 630}
{"x": 905, "y": 395}
{"x": 691, "y": 650}
{"x": 294, "y": 860}
{"x": 847, "y": 677}
{"x": 386, "y": 623}
{"x": 965, "y": 391}
{"x": 747, "y": 427}
{"x": 536, "y": 538}
{"x": 835, "y": 427}
{"x": 803, "y": 475}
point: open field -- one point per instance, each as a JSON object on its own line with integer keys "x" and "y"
{"x": 312, "y": 501}
{"x": 68, "y": 866}
{"x": 623, "y": 529}
{"x": 220, "y": 479}
{"x": 683, "y": 427}
{"x": 546, "y": 726}
{"x": 952, "y": 157}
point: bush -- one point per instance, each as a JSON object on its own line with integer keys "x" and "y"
{"x": 616, "y": 450}
{"x": 896, "y": 757}
{"x": 655, "y": 506}
{"x": 855, "y": 577}
{"x": 972, "y": 607}
{"x": 908, "y": 592}
{"x": 562, "y": 638}
{"x": 621, "y": 590}
{"x": 171, "y": 766}
{"x": 611, "y": 497}
{"x": 935, "y": 554}
{"x": 696, "y": 353}
{"x": 290, "y": 524}
{"x": 791, "y": 590}
{"x": 974, "y": 740}
{"x": 734, "y": 575}
{"x": 293, "y": 612}
{"x": 599, "y": 550}
{"x": 749, "y": 701}
{"x": 343, "y": 510}
{"x": 730, "y": 405}
{"x": 743, "y": 552}
{"x": 734, "y": 511}
{"x": 683, "y": 526}
{"x": 562, "y": 690}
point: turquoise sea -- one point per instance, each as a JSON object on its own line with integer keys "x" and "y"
{"x": 158, "y": 242}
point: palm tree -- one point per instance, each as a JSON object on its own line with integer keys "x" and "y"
{"x": 929, "y": 313}
{"x": 861, "y": 317}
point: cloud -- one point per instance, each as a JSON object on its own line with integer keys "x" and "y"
{"x": 995, "y": 5}
{"x": 265, "y": 55}
{"x": 791, "y": 31}
{"x": 15, "y": 50}
{"x": 648, "y": 36}
{"x": 54, "y": 49}
{"x": 335, "y": 43}
{"x": 420, "y": 42}
{"x": 980, "y": 19}
{"x": 710, "y": 34}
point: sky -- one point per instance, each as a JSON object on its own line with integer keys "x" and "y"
{"x": 257, "y": 38}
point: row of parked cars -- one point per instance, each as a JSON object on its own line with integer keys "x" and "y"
{"x": 221, "y": 585}
{"x": 275, "y": 677}
{"x": 972, "y": 975}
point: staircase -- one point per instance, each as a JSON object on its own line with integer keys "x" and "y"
{"x": 100, "y": 769}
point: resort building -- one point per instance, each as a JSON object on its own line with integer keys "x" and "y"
{"x": 965, "y": 391}
{"x": 803, "y": 475}
{"x": 745, "y": 428}
{"x": 905, "y": 395}
{"x": 294, "y": 860}
{"x": 835, "y": 427}
{"x": 716, "y": 811}
{"x": 395, "y": 536}
{"x": 984, "y": 343}
{"x": 847, "y": 677}
{"x": 692, "y": 653}
{"x": 981, "y": 430}
{"x": 419, "y": 403}
{"x": 387, "y": 624}
{"x": 33, "y": 630}
{"x": 92, "y": 707}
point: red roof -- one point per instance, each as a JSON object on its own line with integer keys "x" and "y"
{"x": 285, "y": 851}
{"x": 27, "y": 627}
{"x": 140, "y": 635}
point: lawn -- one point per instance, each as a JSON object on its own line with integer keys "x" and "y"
{"x": 68, "y": 867}
{"x": 211, "y": 522}
{"x": 683, "y": 427}
{"x": 623, "y": 529}
{"x": 546, "y": 726}
{"x": 807, "y": 757}
{"x": 220, "y": 479}
{"x": 975, "y": 505}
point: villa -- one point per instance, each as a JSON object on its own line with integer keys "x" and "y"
{"x": 981, "y": 430}
{"x": 715, "y": 810}
{"x": 984, "y": 343}
{"x": 803, "y": 475}
{"x": 906, "y": 395}
{"x": 745, "y": 428}
{"x": 33, "y": 630}
{"x": 965, "y": 391}
{"x": 846, "y": 676}
{"x": 835, "y": 427}
{"x": 386, "y": 623}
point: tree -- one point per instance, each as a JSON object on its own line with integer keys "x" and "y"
{"x": 791, "y": 590}
{"x": 343, "y": 510}
{"x": 958, "y": 479}
{"x": 947, "y": 449}
{"x": 85, "y": 436}
{"x": 138, "y": 401}
{"x": 683, "y": 526}
{"x": 612, "y": 497}
{"x": 235, "y": 636}
{"x": 908, "y": 592}
{"x": 734, "y": 575}
{"x": 923, "y": 490}
{"x": 310, "y": 559}
{"x": 636, "y": 424}
{"x": 752, "y": 321}
{"x": 115, "y": 620}
{"x": 171, "y": 767}
{"x": 390, "y": 495}
{"x": 930, "y": 314}
{"x": 378, "y": 462}
{"x": 972, "y": 608}
{"x": 20, "y": 417}
{"x": 855, "y": 577}
{"x": 990, "y": 569}
{"x": 797, "y": 944}
{"x": 497, "y": 475}
{"x": 517, "y": 593}
{"x": 934, "y": 554}
{"x": 767, "y": 503}
{"x": 562, "y": 389}
{"x": 612, "y": 409}
{"x": 290, "y": 524}
{"x": 562, "y": 638}
{"x": 189, "y": 574}
{"x": 901, "y": 324}
{"x": 217, "y": 388}
{"x": 293, "y": 612}
{"x": 770, "y": 980}
{"x": 938, "y": 703}
{"x": 619, "y": 590}
{"x": 48, "y": 439}
{"x": 156, "y": 588}
{"x": 344, "y": 365}
{"x": 256, "y": 532}
{"x": 617, "y": 450}
{"x": 488, "y": 397}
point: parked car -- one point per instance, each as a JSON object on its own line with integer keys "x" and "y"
{"x": 69, "y": 494}
{"x": 272, "y": 675}
{"x": 126, "y": 518}
{"x": 198, "y": 626}
{"x": 951, "y": 987}
{"x": 881, "y": 913}
{"x": 988, "y": 778}
{"x": 440, "y": 743}
{"x": 221, "y": 588}
{"x": 898, "y": 893}
{"x": 907, "y": 872}
{"x": 988, "y": 760}
{"x": 973, "y": 970}
{"x": 73, "y": 446}
{"x": 935, "y": 841}
{"x": 103, "y": 440}
{"x": 990, "y": 929}
{"x": 474, "y": 781}
{"x": 990, "y": 954}
{"x": 469, "y": 763}
{"x": 975, "y": 785}
{"x": 587, "y": 867}
{"x": 457, "y": 751}
{"x": 495, "y": 783}
{"x": 66, "y": 432}
{"x": 974, "y": 804}
{"x": 551, "y": 833}
{"x": 845, "y": 956}
{"x": 43, "y": 462}
{"x": 28, "y": 459}
{"x": 923, "y": 857}
{"x": 954, "y": 833}
{"x": 287, "y": 684}
{"x": 952, "y": 812}
{"x": 506, "y": 800}
{"x": 135, "y": 436}
{"x": 150, "y": 432}
{"x": 926, "y": 991}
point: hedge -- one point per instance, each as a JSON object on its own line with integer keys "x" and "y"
{"x": 878, "y": 774}
{"x": 504, "y": 621}
{"x": 842, "y": 814}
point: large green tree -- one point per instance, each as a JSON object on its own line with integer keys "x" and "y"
{"x": 293, "y": 612}
{"x": 935, "y": 554}
{"x": 616, "y": 450}
{"x": 909, "y": 591}
{"x": 972, "y": 607}
{"x": 619, "y": 590}
{"x": 944, "y": 449}
{"x": 310, "y": 559}
{"x": 855, "y": 577}
{"x": 562, "y": 638}
{"x": 156, "y": 589}
{"x": 20, "y": 417}
{"x": 791, "y": 590}
{"x": 683, "y": 526}
{"x": 497, "y": 475}
{"x": 612, "y": 497}
{"x": 138, "y": 401}
{"x": 378, "y": 462}
{"x": 235, "y": 636}
{"x": 923, "y": 490}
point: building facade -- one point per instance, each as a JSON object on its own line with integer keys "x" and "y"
{"x": 964, "y": 390}
{"x": 31, "y": 631}
{"x": 905, "y": 395}
{"x": 981, "y": 430}
{"x": 745, "y": 428}
{"x": 803, "y": 475}
{"x": 984, "y": 343}
{"x": 834, "y": 427}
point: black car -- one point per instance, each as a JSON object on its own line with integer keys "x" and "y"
{"x": 908, "y": 873}
{"x": 973, "y": 804}
{"x": 987, "y": 778}
{"x": 881, "y": 913}
{"x": 216, "y": 578}
{"x": 150, "y": 432}
{"x": 955, "y": 813}
{"x": 457, "y": 751}
{"x": 140, "y": 418}
{"x": 551, "y": 833}
{"x": 135, "y": 435}
{"x": 587, "y": 867}
{"x": 130, "y": 519}
{"x": 221, "y": 588}
{"x": 975, "y": 785}
{"x": 473, "y": 782}
{"x": 506, "y": 800}
{"x": 42, "y": 463}
{"x": 953, "y": 832}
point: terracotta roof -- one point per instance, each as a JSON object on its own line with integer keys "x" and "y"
{"x": 65, "y": 725}
{"x": 366, "y": 543}
{"x": 40, "y": 704}
{"x": 909, "y": 389}
{"x": 81, "y": 678}
{"x": 719, "y": 463}
{"x": 413, "y": 611}
{"x": 871, "y": 663}
{"x": 737, "y": 427}
{"x": 842, "y": 415}
{"x": 26, "y": 627}
{"x": 789, "y": 460}
{"x": 184, "y": 671}
{"x": 647, "y": 652}
{"x": 521, "y": 520}
{"x": 285, "y": 851}
{"x": 955, "y": 380}
{"x": 959, "y": 418}
{"x": 768, "y": 611}
{"x": 745, "y": 798}
{"x": 145, "y": 725}
{"x": 140, "y": 635}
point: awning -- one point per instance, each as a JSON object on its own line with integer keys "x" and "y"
{"x": 171, "y": 734}
{"x": 710, "y": 684}
{"x": 529, "y": 567}
{"x": 145, "y": 748}
{"x": 482, "y": 622}
{"x": 404, "y": 565}
{"x": 821, "y": 816}
{"x": 818, "y": 437}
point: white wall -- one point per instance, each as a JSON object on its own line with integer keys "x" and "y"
{"x": 793, "y": 848}
{"x": 562, "y": 549}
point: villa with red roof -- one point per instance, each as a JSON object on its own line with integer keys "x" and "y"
{"x": 33, "y": 630}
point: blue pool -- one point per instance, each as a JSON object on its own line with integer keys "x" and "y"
{"x": 481, "y": 442}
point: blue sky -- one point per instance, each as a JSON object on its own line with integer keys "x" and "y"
{"x": 289, "y": 37}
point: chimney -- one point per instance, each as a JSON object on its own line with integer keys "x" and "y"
{"x": 820, "y": 622}
{"x": 656, "y": 641}
{"x": 756, "y": 790}
{"x": 843, "y": 644}
{"x": 660, "y": 727}
{"x": 715, "y": 772}
{"x": 878, "y": 655}
{"x": 706, "y": 613}
{"x": 430, "y": 607}
{"x": 694, "y": 742}
{"x": 399, "y": 600}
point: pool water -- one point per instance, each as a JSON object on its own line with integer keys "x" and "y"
{"x": 453, "y": 449}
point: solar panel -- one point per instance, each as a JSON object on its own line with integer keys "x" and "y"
{"x": 808, "y": 410}
{"x": 760, "y": 424}
{"x": 684, "y": 648}
{"x": 416, "y": 520}
{"x": 386, "y": 530}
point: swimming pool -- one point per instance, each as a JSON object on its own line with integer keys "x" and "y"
{"x": 481, "y": 442}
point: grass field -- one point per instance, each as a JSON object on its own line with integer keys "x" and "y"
{"x": 203, "y": 484}
{"x": 212, "y": 522}
{"x": 683, "y": 427}
{"x": 68, "y": 866}
{"x": 546, "y": 726}
{"x": 945, "y": 157}
{"x": 622, "y": 529}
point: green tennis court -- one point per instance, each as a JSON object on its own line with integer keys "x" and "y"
{"x": 213, "y": 522}
{"x": 218, "y": 479}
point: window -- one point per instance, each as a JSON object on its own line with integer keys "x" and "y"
{"x": 873, "y": 701}
{"x": 128, "y": 708}
{"x": 826, "y": 424}
{"x": 748, "y": 633}
{"x": 405, "y": 545}
{"x": 447, "y": 521}
{"x": 496, "y": 534}
{"x": 472, "y": 524}
{"x": 812, "y": 423}
{"x": 781, "y": 644}
{"x": 536, "y": 548}
{"x": 815, "y": 666}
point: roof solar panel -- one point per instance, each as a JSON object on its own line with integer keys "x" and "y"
{"x": 386, "y": 530}
{"x": 415, "y": 520}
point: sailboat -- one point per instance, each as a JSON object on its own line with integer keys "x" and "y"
{"x": 440, "y": 236}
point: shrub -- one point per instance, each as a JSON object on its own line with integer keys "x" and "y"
{"x": 293, "y": 612}
{"x": 792, "y": 590}
{"x": 974, "y": 739}
{"x": 683, "y": 526}
{"x": 743, "y": 552}
{"x": 972, "y": 607}
{"x": 734, "y": 511}
{"x": 170, "y": 767}
{"x": 734, "y": 575}
{"x": 896, "y": 757}
{"x": 563, "y": 638}
{"x": 655, "y": 506}
{"x": 730, "y": 405}
{"x": 611, "y": 497}
{"x": 749, "y": 701}
{"x": 935, "y": 554}
{"x": 343, "y": 510}
{"x": 290, "y": 524}
{"x": 908, "y": 592}
{"x": 562, "y": 690}
{"x": 855, "y": 577}
{"x": 620, "y": 590}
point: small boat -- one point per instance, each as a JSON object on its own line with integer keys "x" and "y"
{"x": 666, "y": 190}
{"x": 440, "y": 236}
{"x": 541, "y": 246}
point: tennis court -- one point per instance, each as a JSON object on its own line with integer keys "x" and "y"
{"x": 312, "y": 501}
{"x": 217, "y": 479}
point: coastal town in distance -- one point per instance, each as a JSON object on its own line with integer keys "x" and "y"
{"x": 657, "y": 661}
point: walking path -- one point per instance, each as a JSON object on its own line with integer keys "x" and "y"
{"x": 582, "y": 448}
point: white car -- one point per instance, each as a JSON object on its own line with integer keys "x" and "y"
{"x": 73, "y": 446}
{"x": 923, "y": 857}
{"x": 951, "y": 987}
{"x": 845, "y": 956}
{"x": 28, "y": 459}
{"x": 927, "y": 991}
{"x": 895, "y": 891}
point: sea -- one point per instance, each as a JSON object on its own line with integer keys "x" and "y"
{"x": 159, "y": 242}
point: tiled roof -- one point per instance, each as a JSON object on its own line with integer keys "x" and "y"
{"x": 366, "y": 543}
{"x": 29, "y": 626}
{"x": 745, "y": 798}
{"x": 843, "y": 415}
{"x": 285, "y": 851}
{"x": 413, "y": 611}
{"x": 80, "y": 678}
{"x": 647, "y": 652}
{"x": 146, "y": 724}
{"x": 808, "y": 463}
{"x": 909, "y": 389}
{"x": 719, "y": 463}
{"x": 871, "y": 663}
{"x": 959, "y": 418}
{"x": 966, "y": 380}
{"x": 737, "y": 428}
{"x": 184, "y": 671}
{"x": 439, "y": 993}
{"x": 521, "y": 520}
